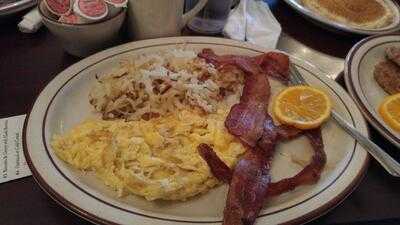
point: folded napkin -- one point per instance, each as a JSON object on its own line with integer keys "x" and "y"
{"x": 253, "y": 21}
{"x": 31, "y": 22}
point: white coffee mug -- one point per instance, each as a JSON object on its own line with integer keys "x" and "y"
{"x": 158, "y": 18}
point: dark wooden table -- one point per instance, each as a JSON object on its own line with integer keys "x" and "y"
{"x": 29, "y": 61}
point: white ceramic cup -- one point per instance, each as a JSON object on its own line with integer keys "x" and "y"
{"x": 158, "y": 18}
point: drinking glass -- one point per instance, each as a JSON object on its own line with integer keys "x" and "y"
{"x": 212, "y": 18}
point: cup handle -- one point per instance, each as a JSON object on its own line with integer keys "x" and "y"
{"x": 192, "y": 13}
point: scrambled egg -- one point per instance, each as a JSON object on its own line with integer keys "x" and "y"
{"x": 156, "y": 159}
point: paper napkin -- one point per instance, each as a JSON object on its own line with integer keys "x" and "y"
{"x": 253, "y": 21}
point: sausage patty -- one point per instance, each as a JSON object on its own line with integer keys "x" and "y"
{"x": 393, "y": 53}
{"x": 387, "y": 74}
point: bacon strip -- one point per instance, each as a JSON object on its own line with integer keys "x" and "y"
{"x": 247, "y": 120}
{"x": 273, "y": 64}
{"x": 308, "y": 175}
{"x": 218, "y": 168}
{"x": 250, "y": 178}
{"x": 274, "y": 134}
{"x": 248, "y": 188}
{"x": 242, "y": 62}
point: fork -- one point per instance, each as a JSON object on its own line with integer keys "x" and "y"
{"x": 387, "y": 162}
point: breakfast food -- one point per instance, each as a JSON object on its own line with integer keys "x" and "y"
{"x": 364, "y": 14}
{"x": 156, "y": 109}
{"x": 303, "y": 107}
{"x": 176, "y": 124}
{"x": 389, "y": 109}
{"x": 156, "y": 159}
{"x": 387, "y": 72}
{"x": 250, "y": 181}
{"x": 387, "y": 75}
{"x": 157, "y": 84}
{"x": 393, "y": 53}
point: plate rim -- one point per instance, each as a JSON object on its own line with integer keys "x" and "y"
{"x": 349, "y": 81}
{"x": 93, "y": 218}
{"x": 296, "y": 5}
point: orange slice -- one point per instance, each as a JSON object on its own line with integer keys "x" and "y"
{"x": 303, "y": 107}
{"x": 390, "y": 111}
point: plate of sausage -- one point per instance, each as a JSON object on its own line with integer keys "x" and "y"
{"x": 372, "y": 75}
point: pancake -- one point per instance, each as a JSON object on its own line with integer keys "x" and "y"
{"x": 364, "y": 14}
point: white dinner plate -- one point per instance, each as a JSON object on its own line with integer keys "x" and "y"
{"x": 64, "y": 103}
{"x": 344, "y": 28}
{"x": 359, "y": 78}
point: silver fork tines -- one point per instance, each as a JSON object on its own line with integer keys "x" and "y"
{"x": 390, "y": 164}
